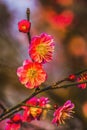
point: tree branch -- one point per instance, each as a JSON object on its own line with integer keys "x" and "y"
{"x": 17, "y": 108}
{"x": 28, "y": 18}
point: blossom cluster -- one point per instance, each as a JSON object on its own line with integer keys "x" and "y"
{"x": 80, "y": 78}
{"x": 33, "y": 110}
{"x": 41, "y": 48}
{"x": 32, "y": 74}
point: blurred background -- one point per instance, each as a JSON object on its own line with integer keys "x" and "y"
{"x": 66, "y": 21}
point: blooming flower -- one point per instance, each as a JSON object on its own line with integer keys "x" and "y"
{"x": 41, "y": 48}
{"x": 31, "y": 74}
{"x": 43, "y": 101}
{"x": 63, "y": 113}
{"x": 24, "y": 26}
{"x": 81, "y": 78}
{"x": 14, "y": 123}
{"x": 34, "y": 108}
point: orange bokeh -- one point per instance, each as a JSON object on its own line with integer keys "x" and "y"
{"x": 84, "y": 109}
{"x": 65, "y": 2}
{"x": 77, "y": 46}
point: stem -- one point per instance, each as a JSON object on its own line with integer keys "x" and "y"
{"x": 80, "y": 72}
{"x": 10, "y": 114}
{"x": 28, "y": 18}
{"x": 69, "y": 85}
{"x": 2, "y": 107}
{"x": 17, "y": 108}
{"x": 44, "y": 108}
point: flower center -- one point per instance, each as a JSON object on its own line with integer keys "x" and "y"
{"x": 65, "y": 115}
{"x": 23, "y": 27}
{"x": 32, "y": 73}
{"x": 42, "y": 50}
{"x": 35, "y": 111}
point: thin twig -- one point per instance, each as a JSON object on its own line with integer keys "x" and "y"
{"x": 28, "y": 18}
{"x": 3, "y": 108}
{"x": 80, "y": 72}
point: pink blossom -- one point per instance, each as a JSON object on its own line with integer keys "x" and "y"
{"x": 72, "y": 77}
{"x": 34, "y": 108}
{"x": 43, "y": 101}
{"x": 14, "y": 123}
{"x": 41, "y": 48}
{"x": 24, "y": 26}
{"x": 31, "y": 74}
{"x": 63, "y": 113}
{"x": 80, "y": 79}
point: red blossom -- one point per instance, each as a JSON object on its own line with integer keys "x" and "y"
{"x": 24, "y": 26}
{"x": 41, "y": 48}
{"x": 63, "y": 19}
{"x": 14, "y": 123}
{"x": 43, "y": 101}
{"x": 63, "y": 113}
{"x": 31, "y": 74}
{"x": 72, "y": 77}
{"x": 81, "y": 78}
{"x": 34, "y": 108}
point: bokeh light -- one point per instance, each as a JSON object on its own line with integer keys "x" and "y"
{"x": 84, "y": 109}
{"x": 63, "y": 20}
{"x": 65, "y": 2}
{"x": 77, "y": 46}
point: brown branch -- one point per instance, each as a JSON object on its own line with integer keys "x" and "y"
{"x": 28, "y": 18}
{"x": 17, "y": 108}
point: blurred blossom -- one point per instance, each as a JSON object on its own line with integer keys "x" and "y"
{"x": 84, "y": 109}
{"x": 14, "y": 123}
{"x": 77, "y": 46}
{"x": 63, "y": 19}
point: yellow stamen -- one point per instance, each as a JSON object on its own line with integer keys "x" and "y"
{"x": 24, "y": 27}
{"x": 42, "y": 49}
{"x": 35, "y": 111}
{"x": 32, "y": 73}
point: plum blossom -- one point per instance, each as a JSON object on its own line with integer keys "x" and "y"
{"x": 63, "y": 113}
{"x": 81, "y": 78}
{"x": 72, "y": 77}
{"x": 31, "y": 74}
{"x": 24, "y": 26}
{"x": 14, "y": 123}
{"x": 41, "y": 48}
{"x": 34, "y": 108}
